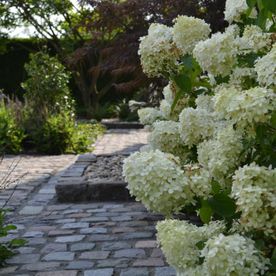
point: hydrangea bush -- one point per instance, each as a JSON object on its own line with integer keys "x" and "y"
{"x": 212, "y": 148}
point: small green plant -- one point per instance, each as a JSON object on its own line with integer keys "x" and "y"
{"x": 61, "y": 134}
{"x": 6, "y": 248}
{"x": 55, "y": 134}
{"x": 46, "y": 88}
{"x": 85, "y": 136}
{"x": 11, "y": 135}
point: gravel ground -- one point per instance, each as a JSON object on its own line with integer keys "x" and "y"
{"x": 107, "y": 168}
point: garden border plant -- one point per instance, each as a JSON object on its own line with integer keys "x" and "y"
{"x": 46, "y": 121}
{"x": 212, "y": 148}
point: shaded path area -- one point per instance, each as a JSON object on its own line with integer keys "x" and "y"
{"x": 91, "y": 239}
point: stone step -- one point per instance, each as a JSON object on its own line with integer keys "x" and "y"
{"x": 115, "y": 124}
{"x": 74, "y": 186}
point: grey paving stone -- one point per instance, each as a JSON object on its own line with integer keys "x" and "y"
{"x": 25, "y": 250}
{"x": 121, "y": 218}
{"x": 58, "y": 273}
{"x": 59, "y": 256}
{"x": 6, "y": 270}
{"x": 31, "y": 210}
{"x": 115, "y": 245}
{"x": 53, "y": 247}
{"x": 99, "y": 272}
{"x": 94, "y": 255}
{"x": 149, "y": 262}
{"x": 24, "y": 259}
{"x": 113, "y": 263}
{"x": 137, "y": 235}
{"x": 80, "y": 265}
{"x": 130, "y": 253}
{"x": 164, "y": 271}
{"x": 101, "y": 237}
{"x": 73, "y": 238}
{"x": 36, "y": 241}
{"x": 60, "y": 232}
{"x": 93, "y": 230}
{"x": 146, "y": 244}
{"x": 72, "y": 211}
{"x": 58, "y": 207}
{"x": 135, "y": 272}
{"x": 67, "y": 220}
{"x": 75, "y": 225}
{"x": 82, "y": 246}
{"x": 40, "y": 266}
{"x": 117, "y": 230}
{"x": 157, "y": 253}
{"x": 95, "y": 219}
{"x": 33, "y": 234}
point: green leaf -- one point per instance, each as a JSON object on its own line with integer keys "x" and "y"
{"x": 273, "y": 260}
{"x": 223, "y": 205}
{"x": 17, "y": 242}
{"x": 270, "y": 5}
{"x": 262, "y": 17}
{"x": 205, "y": 212}
{"x": 183, "y": 82}
{"x": 273, "y": 119}
{"x": 10, "y": 227}
{"x": 200, "y": 245}
{"x": 187, "y": 61}
{"x": 260, "y": 5}
{"x": 215, "y": 187}
{"x": 178, "y": 96}
{"x": 251, "y": 3}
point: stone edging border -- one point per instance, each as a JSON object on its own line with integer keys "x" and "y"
{"x": 73, "y": 186}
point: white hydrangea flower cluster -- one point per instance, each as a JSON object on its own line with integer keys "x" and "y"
{"x": 221, "y": 154}
{"x": 200, "y": 180}
{"x": 166, "y": 103}
{"x": 158, "y": 53}
{"x": 232, "y": 255}
{"x": 266, "y": 68}
{"x": 245, "y": 107}
{"x": 240, "y": 75}
{"x": 157, "y": 180}
{"x": 205, "y": 102}
{"x": 149, "y": 115}
{"x": 234, "y": 9}
{"x": 225, "y": 58}
{"x": 165, "y": 137}
{"x": 255, "y": 194}
{"x": 179, "y": 239}
{"x": 253, "y": 40}
{"x": 195, "y": 125}
{"x": 188, "y": 31}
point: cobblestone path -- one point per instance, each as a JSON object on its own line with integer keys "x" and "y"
{"x": 91, "y": 239}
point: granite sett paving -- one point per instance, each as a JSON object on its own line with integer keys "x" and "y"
{"x": 88, "y": 238}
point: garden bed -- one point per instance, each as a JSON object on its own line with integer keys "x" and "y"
{"x": 93, "y": 178}
{"x": 107, "y": 168}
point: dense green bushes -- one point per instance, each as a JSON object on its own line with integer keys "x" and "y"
{"x": 46, "y": 122}
{"x": 11, "y": 134}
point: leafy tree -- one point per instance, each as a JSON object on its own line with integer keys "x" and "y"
{"x": 54, "y": 20}
{"x": 109, "y": 63}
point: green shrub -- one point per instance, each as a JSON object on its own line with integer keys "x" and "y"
{"x": 61, "y": 134}
{"x": 11, "y": 135}
{"x": 54, "y": 136}
{"x": 85, "y": 135}
{"x": 46, "y": 88}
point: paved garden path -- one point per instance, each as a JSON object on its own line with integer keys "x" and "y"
{"x": 91, "y": 239}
